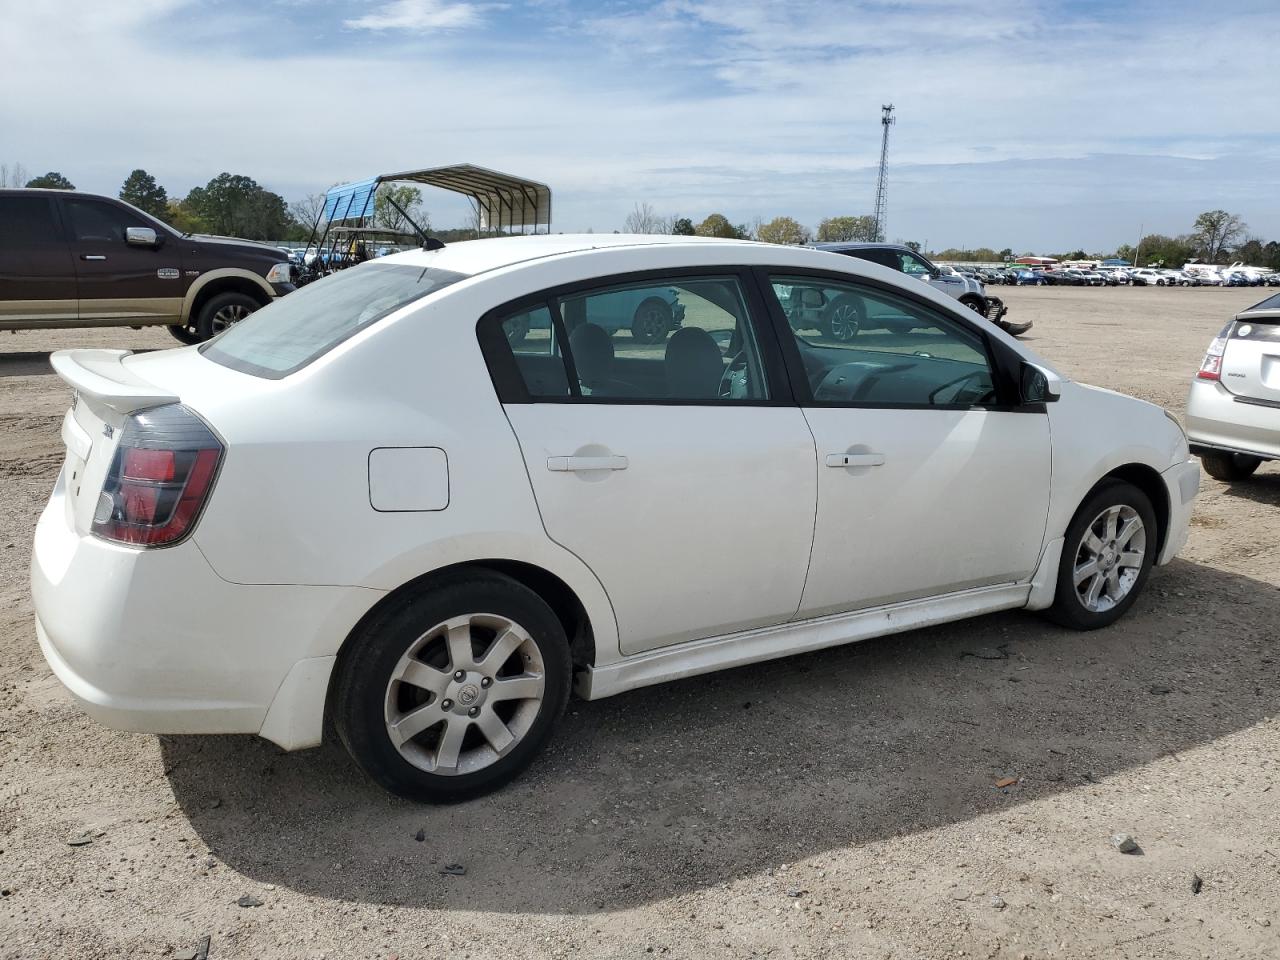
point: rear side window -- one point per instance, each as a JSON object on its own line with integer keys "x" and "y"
{"x": 295, "y": 330}
{"x": 25, "y": 221}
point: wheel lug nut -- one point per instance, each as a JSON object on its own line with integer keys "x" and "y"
{"x": 473, "y": 712}
{"x": 487, "y": 681}
{"x": 446, "y": 704}
{"x": 458, "y": 675}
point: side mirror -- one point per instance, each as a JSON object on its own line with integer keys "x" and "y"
{"x": 1038, "y": 385}
{"x": 140, "y": 236}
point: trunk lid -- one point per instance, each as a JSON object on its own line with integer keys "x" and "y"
{"x": 1251, "y": 361}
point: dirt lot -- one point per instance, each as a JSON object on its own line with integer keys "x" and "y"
{"x": 841, "y": 804}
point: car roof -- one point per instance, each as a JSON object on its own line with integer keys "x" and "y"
{"x": 481, "y": 256}
{"x": 843, "y": 245}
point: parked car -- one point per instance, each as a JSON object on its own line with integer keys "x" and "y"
{"x": 1064, "y": 277}
{"x": 1272, "y": 280}
{"x": 1146, "y": 277}
{"x": 1233, "y": 410}
{"x": 71, "y": 259}
{"x": 902, "y": 258}
{"x": 1028, "y": 278}
{"x": 650, "y": 316}
{"x": 366, "y": 506}
{"x": 1093, "y": 278}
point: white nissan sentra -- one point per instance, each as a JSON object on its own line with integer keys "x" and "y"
{"x": 426, "y": 496}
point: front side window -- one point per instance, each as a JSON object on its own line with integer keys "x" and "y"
{"x": 863, "y": 346}
{"x": 93, "y": 221}
{"x": 912, "y": 265}
{"x": 291, "y": 332}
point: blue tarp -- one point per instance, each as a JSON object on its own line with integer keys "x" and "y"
{"x": 1116, "y": 262}
{"x": 350, "y": 201}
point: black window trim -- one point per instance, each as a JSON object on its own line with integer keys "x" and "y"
{"x": 510, "y": 386}
{"x": 1004, "y": 363}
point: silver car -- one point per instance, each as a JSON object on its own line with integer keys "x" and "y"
{"x": 1233, "y": 411}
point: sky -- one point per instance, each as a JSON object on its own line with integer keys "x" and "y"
{"x": 1039, "y": 125}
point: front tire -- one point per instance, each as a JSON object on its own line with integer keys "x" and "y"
{"x": 1229, "y": 467}
{"x": 453, "y": 694}
{"x": 1107, "y": 555}
{"x": 184, "y": 334}
{"x": 223, "y": 311}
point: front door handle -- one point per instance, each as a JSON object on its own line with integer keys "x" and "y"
{"x": 855, "y": 460}
{"x": 92, "y": 256}
{"x": 577, "y": 464}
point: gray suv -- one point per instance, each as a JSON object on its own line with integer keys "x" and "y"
{"x": 905, "y": 260}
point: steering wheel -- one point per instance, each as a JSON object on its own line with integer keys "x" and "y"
{"x": 957, "y": 382}
{"x": 736, "y": 372}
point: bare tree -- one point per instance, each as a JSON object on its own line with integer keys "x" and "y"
{"x": 644, "y": 219}
{"x": 307, "y": 210}
{"x": 13, "y": 176}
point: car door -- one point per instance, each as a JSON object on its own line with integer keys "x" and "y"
{"x": 118, "y": 280}
{"x": 679, "y": 470}
{"x": 931, "y": 479}
{"x": 37, "y": 276}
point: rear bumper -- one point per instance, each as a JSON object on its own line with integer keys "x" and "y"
{"x": 1217, "y": 420}
{"x": 154, "y": 641}
{"x": 995, "y": 308}
{"x": 1182, "y": 483}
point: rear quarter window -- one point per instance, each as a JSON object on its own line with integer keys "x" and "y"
{"x": 285, "y": 336}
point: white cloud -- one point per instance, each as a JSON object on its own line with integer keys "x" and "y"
{"x": 418, "y": 16}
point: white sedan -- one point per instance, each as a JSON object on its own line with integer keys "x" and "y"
{"x": 369, "y": 502}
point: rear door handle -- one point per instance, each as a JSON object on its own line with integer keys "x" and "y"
{"x": 576, "y": 464}
{"x": 855, "y": 459}
{"x": 92, "y": 256}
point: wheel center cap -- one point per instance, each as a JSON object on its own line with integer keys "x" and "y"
{"x": 468, "y": 695}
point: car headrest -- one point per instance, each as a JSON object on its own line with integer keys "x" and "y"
{"x": 694, "y": 365}
{"x": 592, "y": 353}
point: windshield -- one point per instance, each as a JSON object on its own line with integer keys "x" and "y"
{"x": 290, "y": 333}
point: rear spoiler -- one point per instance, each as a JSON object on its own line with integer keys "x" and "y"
{"x": 101, "y": 377}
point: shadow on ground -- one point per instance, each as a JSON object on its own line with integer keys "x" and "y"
{"x": 674, "y": 788}
{"x": 1262, "y": 487}
{"x": 27, "y": 363}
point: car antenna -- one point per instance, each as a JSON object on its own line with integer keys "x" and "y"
{"x": 428, "y": 242}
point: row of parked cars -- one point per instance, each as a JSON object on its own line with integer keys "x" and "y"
{"x": 1121, "y": 276}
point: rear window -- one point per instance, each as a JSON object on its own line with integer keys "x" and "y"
{"x": 1271, "y": 303}
{"x": 290, "y": 333}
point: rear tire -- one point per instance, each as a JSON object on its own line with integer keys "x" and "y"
{"x": 842, "y": 318}
{"x": 1229, "y": 467}
{"x": 1107, "y": 555}
{"x": 223, "y": 311}
{"x": 446, "y": 734}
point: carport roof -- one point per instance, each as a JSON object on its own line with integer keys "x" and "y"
{"x": 504, "y": 202}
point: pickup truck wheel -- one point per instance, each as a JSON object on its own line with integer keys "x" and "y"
{"x": 976, "y": 305}
{"x": 182, "y": 334}
{"x": 651, "y": 322}
{"x": 223, "y": 311}
{"x": 1229, "y": 466}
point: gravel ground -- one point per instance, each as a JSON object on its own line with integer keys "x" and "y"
{"x": 840, "y": 804}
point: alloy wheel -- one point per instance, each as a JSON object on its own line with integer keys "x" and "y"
{"x": 1109, "y": 559}
{"x": 844, "y": 322}
{"x": 228, "y": 316}
{"x": 464, "y": 694}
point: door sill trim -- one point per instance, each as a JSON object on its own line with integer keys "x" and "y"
{"x": 767, "y": 643}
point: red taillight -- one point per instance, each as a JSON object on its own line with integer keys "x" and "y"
{"x": 160, "y": 479}
{"x": 1211, "y": 368}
